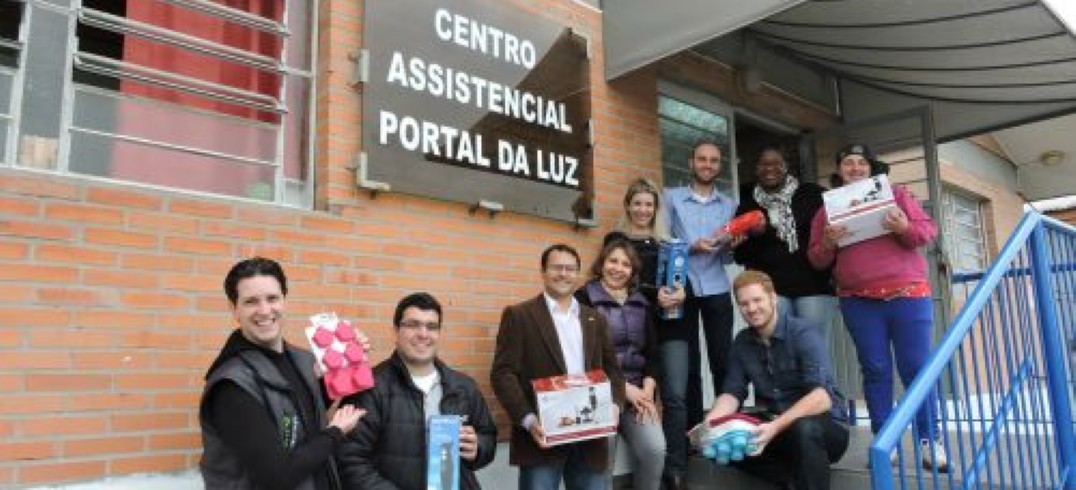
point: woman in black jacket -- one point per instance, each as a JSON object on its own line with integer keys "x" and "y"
{"x": 780, "y": 248}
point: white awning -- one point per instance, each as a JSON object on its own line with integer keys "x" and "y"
{"x": 982, "y": 65}
{"x": 639, "y": 32}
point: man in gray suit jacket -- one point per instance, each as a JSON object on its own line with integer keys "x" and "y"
{"x": 552, "y": 335}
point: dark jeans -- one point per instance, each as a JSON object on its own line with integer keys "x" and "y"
{"x": 573, "y": 471}
{"x": 801, "y": 454}
{"x": 681, "y": 393}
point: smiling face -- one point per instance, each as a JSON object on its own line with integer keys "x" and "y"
{"x": 641, "y": 210}
{"x": 259, "y": 311}
{"x": 758, "y": 306}
{"x": 854, "y": 168}
{"x": 617, "y": 271}
{"x": 560, "y": 274}
{"x": 705, "y": 164}
{"x": 417, "y": 335}
{"x": 771, "y": 170}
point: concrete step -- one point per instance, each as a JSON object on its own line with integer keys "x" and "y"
{"x": 852, "y": 473}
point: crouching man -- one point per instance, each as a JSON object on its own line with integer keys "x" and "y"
{"x": 784, "y": 358}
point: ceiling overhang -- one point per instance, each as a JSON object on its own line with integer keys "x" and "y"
{"x": 982, "y": 65}
{"x": 637, "y": 33}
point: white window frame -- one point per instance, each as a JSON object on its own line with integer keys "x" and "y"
{"x": 11, "y": 117}
{"x": 287, "y": 191}
{"x": 956, "y": 242}
{"x": 715, "y": 106}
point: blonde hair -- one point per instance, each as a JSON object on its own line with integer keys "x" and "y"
{"x": 658, "y": 229}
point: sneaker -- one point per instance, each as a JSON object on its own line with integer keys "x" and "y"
{"x": 934, "y": 456}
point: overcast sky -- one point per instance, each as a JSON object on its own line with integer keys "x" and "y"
{"x": 1066, "y": 9}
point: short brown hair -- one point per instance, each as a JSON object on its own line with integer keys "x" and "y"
{"x": 747, "y": 278}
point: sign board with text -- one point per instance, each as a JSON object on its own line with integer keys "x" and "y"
{"x": 475, "y": 100}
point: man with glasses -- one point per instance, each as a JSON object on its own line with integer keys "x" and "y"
{"x": 389, "y": 449}
{"x": 553, "y": 335}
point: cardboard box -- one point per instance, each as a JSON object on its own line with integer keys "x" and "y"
{"x": 574, "y": 408}
{"x": 443, "y": 453}
{"x": 860, "y": 207}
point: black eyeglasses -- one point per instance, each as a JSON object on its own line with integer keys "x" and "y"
{"x": 415, "y": 325}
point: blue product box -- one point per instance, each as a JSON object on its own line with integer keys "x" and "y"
{"x": 443, "y": 453}
{"x": 672, "y": 272}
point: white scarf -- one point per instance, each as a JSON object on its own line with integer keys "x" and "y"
{"x": 778, "y": 206}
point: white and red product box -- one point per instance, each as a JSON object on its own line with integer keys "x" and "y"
{"x": 333, "y": 342}
{"x": 860, "y": 207}
{"x": 574, "y": 408}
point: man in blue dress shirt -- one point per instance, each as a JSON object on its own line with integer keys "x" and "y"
{"x": 697, "y": 213}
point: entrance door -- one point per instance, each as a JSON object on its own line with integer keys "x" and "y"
{"x": 685, "y": 116}
{"x": 904, "y": 140}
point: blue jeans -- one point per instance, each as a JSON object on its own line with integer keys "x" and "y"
{"x": 680, "y": 357}
{"x": 818, "y": 309}
{"x": 906, "y": 326}
{"x": 573, "y": 470}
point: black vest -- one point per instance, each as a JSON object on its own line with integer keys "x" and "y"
{"x": 255, "y": 374}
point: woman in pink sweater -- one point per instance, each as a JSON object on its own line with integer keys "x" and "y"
{"x": 885, "y": 297}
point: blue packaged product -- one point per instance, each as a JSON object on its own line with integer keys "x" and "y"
{"x": 672, "y": 272}
{"x": 443, "y": 453}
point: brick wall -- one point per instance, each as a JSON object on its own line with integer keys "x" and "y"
{"x": 110, "y": 295}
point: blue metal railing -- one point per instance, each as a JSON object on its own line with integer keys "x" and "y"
{"x": 1002, "y": 375}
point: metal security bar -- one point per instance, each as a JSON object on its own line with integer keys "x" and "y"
{"x": 1004, "y": 367}
{"x": 232, "y": 15}
{"x": 162, "y": 35}
{"x": 216, "y": 91}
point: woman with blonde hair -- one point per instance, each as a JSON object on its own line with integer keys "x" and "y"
{"x": 643, "y": 226}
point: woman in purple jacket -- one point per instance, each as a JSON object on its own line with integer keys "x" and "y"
{"x": 613, "y": 291}
{"x": 885, "y": 297}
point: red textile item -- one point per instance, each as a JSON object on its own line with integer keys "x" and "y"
{"x": 886, "y": 293}
{"x": 744, "y": 223}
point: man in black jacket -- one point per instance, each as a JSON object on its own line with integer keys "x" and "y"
{"x": 262, "y": 414}
{"x": 388, "y": 448}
